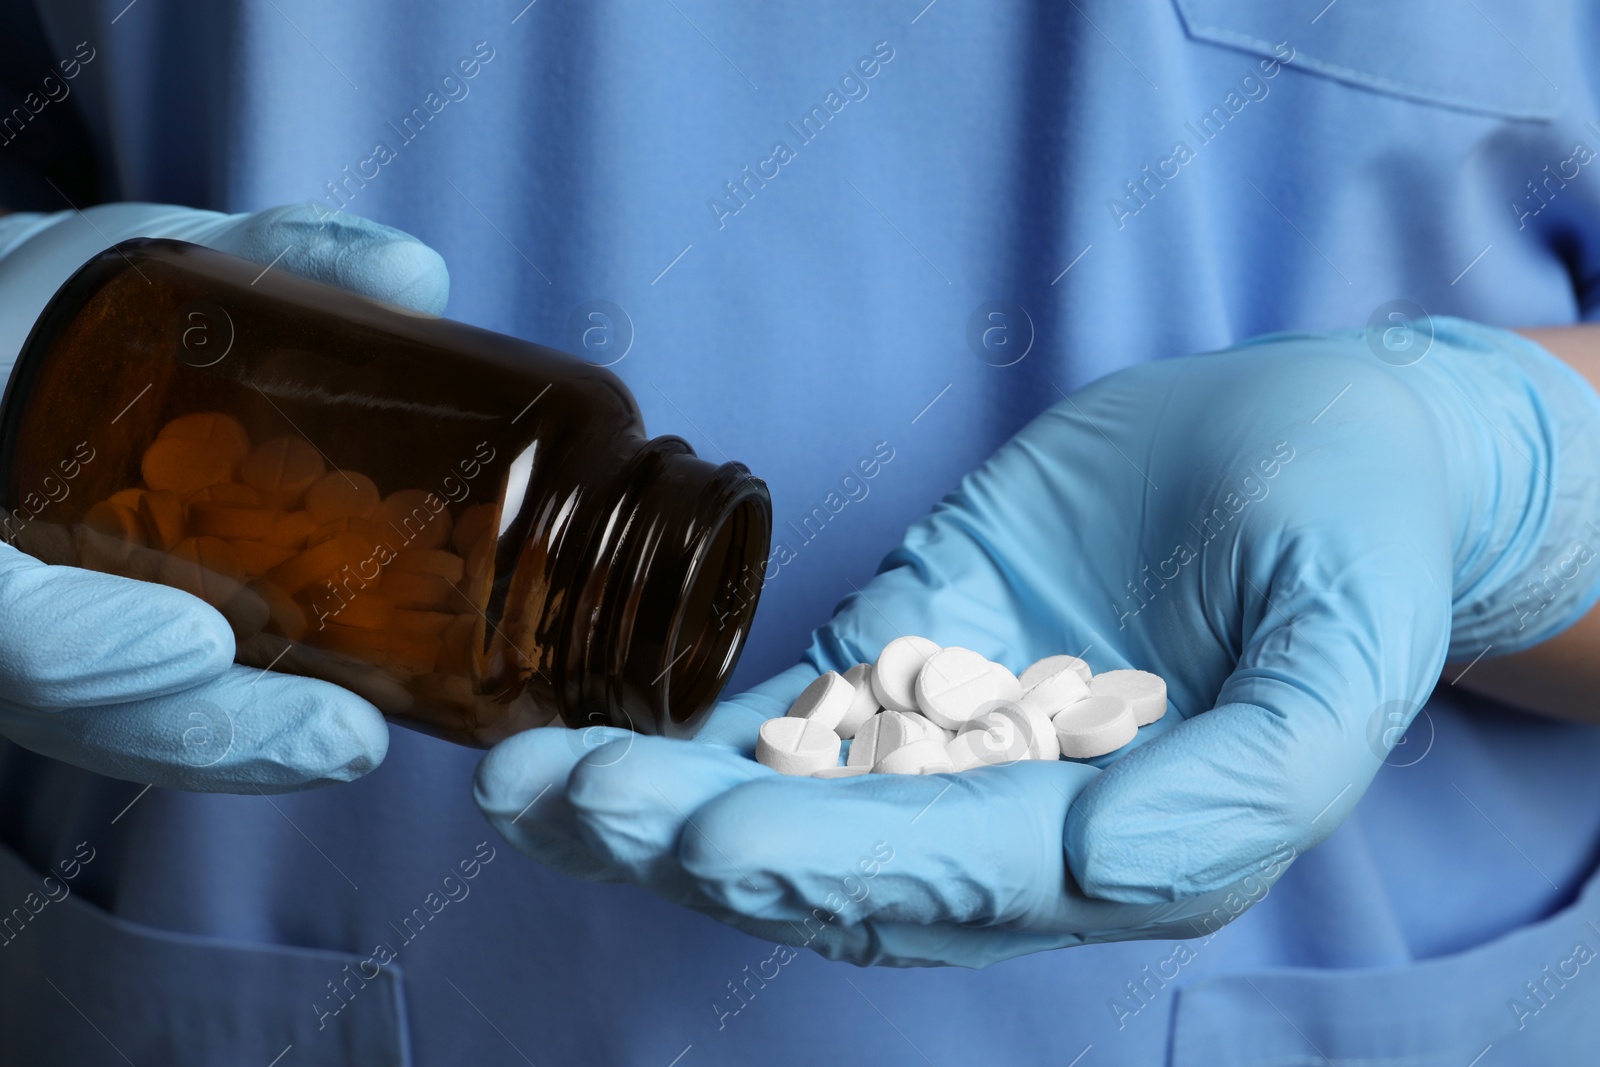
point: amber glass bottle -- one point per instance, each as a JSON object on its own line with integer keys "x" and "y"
{"x": 470, "y": 531}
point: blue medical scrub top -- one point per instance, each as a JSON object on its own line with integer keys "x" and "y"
{"x": 816, "y": 233}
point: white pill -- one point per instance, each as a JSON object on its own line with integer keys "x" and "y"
{"x": 841, "y": 772}
{"x": 1042, "y": 734}
{"x": 1054, "y": 692}
{"x": 796, "y": 746}
{"x": 1145, "y": 691}
{"x": 825, "y": 700}
{"x": 1038, "y": 735}
{"x": 1001, "y": 733}
{"x": 1008, "y": 684}
{"x": 926, "y": 756}
{"x": 902, "y": 728}
{"x": 920, "y": 726}
{"x": 983, "y": 748}
{"x": 966, "y": 752}
{"x": 1095, "y": 726}
{"x": 954, "y": 684}
{"x": 864, "y": 747}
{"x": 863, "y": 705}
{"x": 894, "y": 676}
{"x": 1049, "y": 665}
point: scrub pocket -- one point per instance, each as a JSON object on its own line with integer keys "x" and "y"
{"x": 1446, "y": 54}
{"x": 83, "y": 987}
{"x": 1529, "y": 997}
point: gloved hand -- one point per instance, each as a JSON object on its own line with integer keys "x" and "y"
{"x": 136, "y": 680}
{"x": 1293, "y": 533}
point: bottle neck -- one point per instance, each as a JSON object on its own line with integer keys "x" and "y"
{"x": 676, "y": 572}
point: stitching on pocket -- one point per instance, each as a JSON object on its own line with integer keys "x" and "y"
{"x": 1355, "y": 77}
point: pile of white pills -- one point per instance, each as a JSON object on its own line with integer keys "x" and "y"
{"x": 922, "y": 709}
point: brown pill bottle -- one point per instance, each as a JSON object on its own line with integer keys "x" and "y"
{"x": 471, "y": 531}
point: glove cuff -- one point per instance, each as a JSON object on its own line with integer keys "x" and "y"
{"x": 40, "y": 252}
{"x": 18, "y": 227}
{"x": 1540, "y": 573}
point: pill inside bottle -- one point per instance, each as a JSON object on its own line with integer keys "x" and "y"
{"x": 471, "y": 531}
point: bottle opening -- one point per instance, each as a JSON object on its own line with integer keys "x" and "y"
{"x": 716, "y": 611}
{"x": 673, "y": 581}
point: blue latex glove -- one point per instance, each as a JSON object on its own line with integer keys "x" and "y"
{"x": 1294, "y": 533}
{"x": 135, "y": 680}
